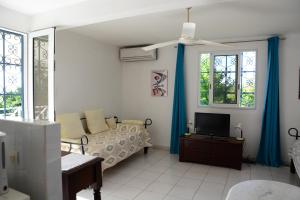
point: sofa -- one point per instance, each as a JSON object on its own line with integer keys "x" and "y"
{"x": 91, "y": 133}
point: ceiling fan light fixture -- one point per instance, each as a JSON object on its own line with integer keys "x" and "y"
{"x": 188, "y": 30}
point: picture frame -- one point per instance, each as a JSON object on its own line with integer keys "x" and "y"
{"x": 159, "y": 83}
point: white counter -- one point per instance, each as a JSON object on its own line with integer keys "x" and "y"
{"x": 33, "y": 157}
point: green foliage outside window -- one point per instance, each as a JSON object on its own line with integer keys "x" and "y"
{"x": 204, "y": 79}
{"x": 13, "y": 102}
{"x": 248, "y": 85}
{"x": 224, "y": 84}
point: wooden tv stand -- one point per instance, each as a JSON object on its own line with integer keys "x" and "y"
{"x": 226, "y": 152}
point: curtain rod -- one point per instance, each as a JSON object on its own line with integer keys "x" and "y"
{"x": 240, "y": 41}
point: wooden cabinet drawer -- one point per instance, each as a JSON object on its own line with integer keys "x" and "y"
{"x": 226, "y": 152}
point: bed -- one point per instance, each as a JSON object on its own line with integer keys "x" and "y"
{"x": 295, "y": 152}
{"x": 113, "y": 144}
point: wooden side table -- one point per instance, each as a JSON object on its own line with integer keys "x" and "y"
{"x": 80, "y": 172}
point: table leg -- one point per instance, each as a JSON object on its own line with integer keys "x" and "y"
{"x": 97, "y": 194}
{"x": 72, "y": 196}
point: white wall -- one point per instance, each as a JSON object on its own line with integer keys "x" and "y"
{"x": 88, "y": 75}
{"x": 289, "y": 84}
{"x": 36, "y": 167}
{"x": 138, "y": 103}
{"x": 13, "y": 20}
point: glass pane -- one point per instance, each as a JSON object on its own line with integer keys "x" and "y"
{"x": 13, "y": 48}
{"x": 1, "y": 79}
{"x": 13, "y": 79}
{"x": 204, "y": 79}
{"x": 249, "y": 61}
{"x": 40, "y": 76}
{"x": 231, "y": 63}
{"x": 13, "y": 105}
{"x": 248, "y": 82}
{"x": 1, "y": 46}
{"x": 225, "y": 77}
{"x": 248, "y": 100}
{"x": 204, "y": 89}
{"x": 1, "y": 106}
{"x": 205, "y": 63}
{"x": 220, "y": 63}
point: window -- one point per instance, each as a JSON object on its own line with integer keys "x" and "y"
{"x": 227, "y": 79}
{"x": 11, "y": 73}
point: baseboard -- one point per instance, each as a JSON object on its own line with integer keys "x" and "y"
{"x": 160, "y": 147}
{"x": 247, "y": 160}
{"x": 253, "y": 161}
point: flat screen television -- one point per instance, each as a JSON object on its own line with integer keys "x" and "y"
{"x": 212, "y": 124}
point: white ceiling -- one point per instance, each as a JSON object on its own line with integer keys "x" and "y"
{"x": 31, "y": 7}
{"x": 96, "y": 11}
{"x": 132, "y": 22}
{"x": 229, "y": 20}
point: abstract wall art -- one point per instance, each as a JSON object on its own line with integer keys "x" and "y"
{"x": 159, "y": 83}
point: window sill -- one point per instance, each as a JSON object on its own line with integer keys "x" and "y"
{"x": 226, "y": 107}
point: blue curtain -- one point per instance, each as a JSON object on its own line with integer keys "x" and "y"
{"x": 179, "y": 106}
{"x": 269, "y": 148}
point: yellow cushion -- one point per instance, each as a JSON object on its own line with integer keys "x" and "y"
{"x": 111, "y": 122}
{"x": 71, "y": 126}
{"x": 95, "y": 121}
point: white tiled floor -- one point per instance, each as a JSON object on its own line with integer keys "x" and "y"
{"x": 160, "y": 176}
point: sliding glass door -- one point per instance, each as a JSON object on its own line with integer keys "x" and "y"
{"x": 41, "y": 75}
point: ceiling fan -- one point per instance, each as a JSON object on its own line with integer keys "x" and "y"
{"x": 187, "y": 37}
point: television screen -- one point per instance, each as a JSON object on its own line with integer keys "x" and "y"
{"x": 212, "y": 124}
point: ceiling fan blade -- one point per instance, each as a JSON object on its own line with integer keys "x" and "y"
{"x": 159, "y": 45}
{"x": 210, "y": 43}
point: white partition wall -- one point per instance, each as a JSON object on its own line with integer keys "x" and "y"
{"x": 33, "y": 158}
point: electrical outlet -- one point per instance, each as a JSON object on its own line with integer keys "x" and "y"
{"x": 13, "y": 157}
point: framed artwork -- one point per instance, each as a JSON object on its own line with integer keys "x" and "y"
{"x": 159, "y": 83}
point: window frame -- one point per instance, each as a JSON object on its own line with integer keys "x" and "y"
{"x": 239, "y": 71}
{"x": 22, "y": 69}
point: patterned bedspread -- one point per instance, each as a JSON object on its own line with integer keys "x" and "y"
{"x": 295, "y": 154}
{"x": 115, "y": 145}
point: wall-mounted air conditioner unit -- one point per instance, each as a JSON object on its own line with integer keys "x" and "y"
{"x": 132, "y": 54}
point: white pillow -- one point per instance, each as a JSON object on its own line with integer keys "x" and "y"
{"x": 95, "y": 121}
{"x": 71, "y": 126}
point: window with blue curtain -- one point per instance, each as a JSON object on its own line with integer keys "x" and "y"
{"x": 11, "y": 73}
